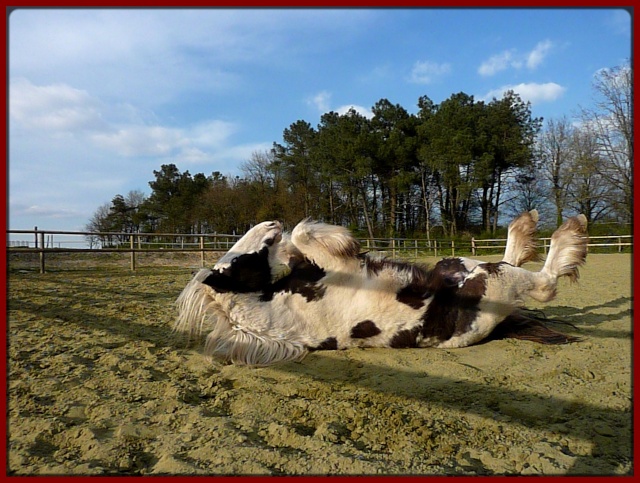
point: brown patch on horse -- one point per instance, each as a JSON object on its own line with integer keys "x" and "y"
{"x": 405, "y": 338}
{"x": 493, "y": 268}
{"x": 364, "y": 330}
{"x": 453, "y": 309}
{"x": 329, "y": 344}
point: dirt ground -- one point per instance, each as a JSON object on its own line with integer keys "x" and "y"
{"x": 97, "y": 384}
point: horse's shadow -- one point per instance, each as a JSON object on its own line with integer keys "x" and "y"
{"x": 587, "y": 321}
{"x": 481, "y": 399}
{"x": 475, "y": 397}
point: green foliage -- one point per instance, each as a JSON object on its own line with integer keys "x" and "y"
{"x": 451, "y": 170}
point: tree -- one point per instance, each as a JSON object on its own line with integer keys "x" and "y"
{"x": 135, "y": 200}
{"x": 122, "y": 214}
{"x": 426, "y": 175}
{"x": 611, "y": 122}
{"x": 98, "y": 223}
{"x": 528, "y": 190}
{"x": 394, "y": 135}
{"x": 554, "y": 149}
{"x": 172, "y": 204}
{"x": 588, "y": 191}
{"x": 343, "y": 154}
{"x": 450, "y": 134}
{"x": 506, "y": 138}
{"x": 163, "y": 191}
{"x": 295, "y": 157}
{"x": 120, "y": 217}
{"x": 265, "y": 186}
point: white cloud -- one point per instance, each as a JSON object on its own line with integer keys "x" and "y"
{"x": 363, "y": 111}
{"x": 426, "y": 72}
{"x": 141, "y": 141}
{"x": 532, "y": 92}
{"x": 199, "y": 143}
{"x": 212, "y": 133}
{"x": 45, "y": 211}
{"x": 513, "y": 59}
{"x": 497, "y": 63}
{"x": 154, "y": 56}
{"x": 537, "y": 55}
{"x": 320, "y": 101}
{"x": 71, "y": 152}
{"x": 243, "y": 152}
{"x": 56, "y": 107}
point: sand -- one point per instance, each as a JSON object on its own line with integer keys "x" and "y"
{"x": 98, "y": 385}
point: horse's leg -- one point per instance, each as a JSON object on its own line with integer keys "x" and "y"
{"x": 521, "y": 244}
{"x": 494, "y": 291}
{"x": 568, "y": 250}
{"x": 330, "y": 247}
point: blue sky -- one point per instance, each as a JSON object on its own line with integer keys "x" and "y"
{"x": 98, "y": 99}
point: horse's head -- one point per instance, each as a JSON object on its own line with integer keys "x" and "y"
{"x": 263, "y": 255}
{"x": 263, "y": 235}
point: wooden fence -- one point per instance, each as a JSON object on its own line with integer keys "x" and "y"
{"x": 43, "y": 243}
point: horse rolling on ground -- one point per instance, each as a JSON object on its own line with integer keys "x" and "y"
{"x": 276, "y": 296}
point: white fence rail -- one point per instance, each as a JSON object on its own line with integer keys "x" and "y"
{"x": 43, "y": 242}
{"x": 617, "y": 241}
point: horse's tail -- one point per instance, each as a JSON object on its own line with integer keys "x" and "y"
{"x": 192, "y": 307}
{"x": 199, "y": 313}
{"x": 532, "y": 326}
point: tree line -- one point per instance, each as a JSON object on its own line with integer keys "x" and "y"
{"x": 463, "y": 165}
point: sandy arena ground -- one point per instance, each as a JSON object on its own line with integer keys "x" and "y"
{"x": 98, "y": 385}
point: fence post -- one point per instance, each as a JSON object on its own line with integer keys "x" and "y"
{"x": 619, "y": 244}
{"x": 453, "y": 248}
{"x": 41, "y": 245}
{"x": 393, "y": 248}
{"x": 435, "y": 248}
{"x": 415, "y": 242}
{"x": 201, "y": 251}
{"x": 473, "y": 246}
{"x": 133, "y": 253}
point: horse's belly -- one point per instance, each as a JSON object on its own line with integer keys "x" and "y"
{"x": 358, "y": 318}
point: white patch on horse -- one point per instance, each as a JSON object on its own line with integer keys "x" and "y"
{"x": 273, "y": 297}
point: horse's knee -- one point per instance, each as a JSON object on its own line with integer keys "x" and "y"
{"x": 328, "y": 246}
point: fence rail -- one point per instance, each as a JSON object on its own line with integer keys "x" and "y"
{"x": 43, "y": 243}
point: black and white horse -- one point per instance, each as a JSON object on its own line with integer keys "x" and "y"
{"x": 275, "y": 297}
